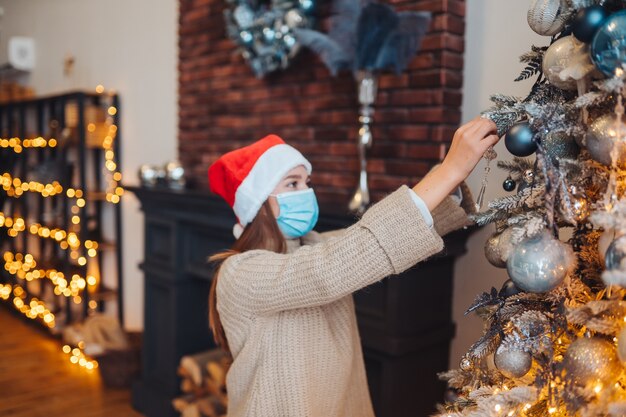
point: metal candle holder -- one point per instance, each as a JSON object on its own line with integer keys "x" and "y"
{"x": 368, "y": 86}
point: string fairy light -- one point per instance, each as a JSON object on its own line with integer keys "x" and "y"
{"x": 17, "y": 144}
{"x": 77, "y": 356}
{"x": 25, "y": 267}
{"x": 35, "y": 309}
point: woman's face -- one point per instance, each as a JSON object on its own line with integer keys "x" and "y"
{"x": 297, "y": 179}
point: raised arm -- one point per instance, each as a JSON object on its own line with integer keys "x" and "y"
{"x": 390, "y": 237}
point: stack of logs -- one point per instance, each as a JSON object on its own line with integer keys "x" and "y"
{"x": 203, "y": 384}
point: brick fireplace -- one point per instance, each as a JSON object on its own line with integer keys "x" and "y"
{"x": 223, "y": 106}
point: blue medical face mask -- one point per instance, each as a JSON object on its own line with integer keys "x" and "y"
{"x": 298, "y": 212}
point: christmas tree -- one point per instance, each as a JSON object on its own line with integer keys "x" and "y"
{"x": 554, "y": 342}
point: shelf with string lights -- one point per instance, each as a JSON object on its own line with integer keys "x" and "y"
{"x": 60, "y": 217}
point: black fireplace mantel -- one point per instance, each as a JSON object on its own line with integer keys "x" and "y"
{"x": 405, "y": 322}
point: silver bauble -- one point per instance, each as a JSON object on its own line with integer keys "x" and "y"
{"x": 561, "y": 55}
{"x": 560, "y": 145}
{"x": 615, "y": 253}
{"x": 492, "y": 251}
{"x": 148, "y": 175}
{"x": 540, "y": 263}
{"x": 605, "y": 240}
{"x": 513, "y": 363}
{"x": 546, "y": 16}
{"x": 591, "y": 360}
{"x": 175, "y": 175}
{"x": 580, "y": 208}
{"x": 621, "y": 345}
{"x": 466, "y": 364}
{"x": 600, "y": 137}
{"x": 505, "y": 244}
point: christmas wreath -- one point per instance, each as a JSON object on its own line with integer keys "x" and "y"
{"x": 264, "y": 31}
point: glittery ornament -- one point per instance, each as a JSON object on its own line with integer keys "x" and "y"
{"x": 580, "y": 208}
{"x": 519, "y": 140}
{"x": 529, "y": 176}
{"x": 508, "y": 289}
{"x": 539, "y": 263}
{"x": 615, "y": 253}
{"x": 591, "y": 360}
{"x": 621, "y": 345}
{"x": 601, "y": 136}
{"x": 527, "y": 180}
{"x": 505, "y": 243}
{"x": 588, "y": 21}
{"x": 546, "y": 16}
{"x": 513, "y": 363}
{"x": 466, "y": 364}
{"x": 508, "y": 184}
{"x": 492, "y": 251}
{"x": 565, "y": 62}
{"x": 608, "y": 46}
{"x": 560, "y": 145}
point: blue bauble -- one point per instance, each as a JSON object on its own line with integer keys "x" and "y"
{"x": 615, "y": 253}
{"x": 519, "y": 140}
{"x": 588, "y": 21}
{"x": 608, "y": 46}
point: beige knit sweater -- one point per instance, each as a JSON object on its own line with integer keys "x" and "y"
{"x": 290, "y": 320}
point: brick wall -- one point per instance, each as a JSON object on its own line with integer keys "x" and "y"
{"x": 223, "y": 106}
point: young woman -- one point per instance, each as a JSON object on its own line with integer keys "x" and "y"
{"x": 281, "y": 300}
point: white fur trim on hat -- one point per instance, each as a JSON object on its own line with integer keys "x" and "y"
{"x": 263, "y": 178}
{"x": 237, "y": 230}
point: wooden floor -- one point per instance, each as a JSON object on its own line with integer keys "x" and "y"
{"x": 37, "y": 379}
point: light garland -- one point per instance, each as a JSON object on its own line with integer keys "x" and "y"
{"x": 33, "y": 309}
{"x": 25, "y": 267}
{"x": 18, "y": 144}
{"x": 78, "y": 357}
{"x": 66, "y": 240}
{"x": 15, "y": 187}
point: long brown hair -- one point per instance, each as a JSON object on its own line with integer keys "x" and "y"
{"x": 261, "y": 233}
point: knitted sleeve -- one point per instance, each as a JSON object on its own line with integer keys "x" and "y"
{"x": 390, "y": 237}
{"x": 450, "y": 216}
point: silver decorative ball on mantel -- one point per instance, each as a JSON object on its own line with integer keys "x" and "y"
{"x": 148, "y": 175}
{"x": 175, "y": 175}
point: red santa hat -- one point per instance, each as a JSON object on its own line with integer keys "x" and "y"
{"x": 247, "y": 176}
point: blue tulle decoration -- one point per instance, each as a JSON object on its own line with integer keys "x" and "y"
{"x": 608, "y": 47}
{"x": 367, "y": 36}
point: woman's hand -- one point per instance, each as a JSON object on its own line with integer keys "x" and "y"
{"x": 468, "y": 146}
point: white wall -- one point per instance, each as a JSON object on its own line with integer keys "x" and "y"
{"x": 126, "y": 45}
{"x": 496, "y": 35}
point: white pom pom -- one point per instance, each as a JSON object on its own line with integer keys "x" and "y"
{"x": 237, "y": 230}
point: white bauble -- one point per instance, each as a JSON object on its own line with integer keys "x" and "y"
{"x": 546, "y": 17}
{"x": 565, "y": 62}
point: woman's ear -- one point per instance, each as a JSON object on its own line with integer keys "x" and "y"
{"x": 274, "y": 206}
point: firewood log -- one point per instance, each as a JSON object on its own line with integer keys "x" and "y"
{"x": 217, "y": 373}
{"x": 191, "y": 411}
{"x": 181, "y": 403}
{"x": 195, "y": 365}
{"x": 207, "y": 407}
